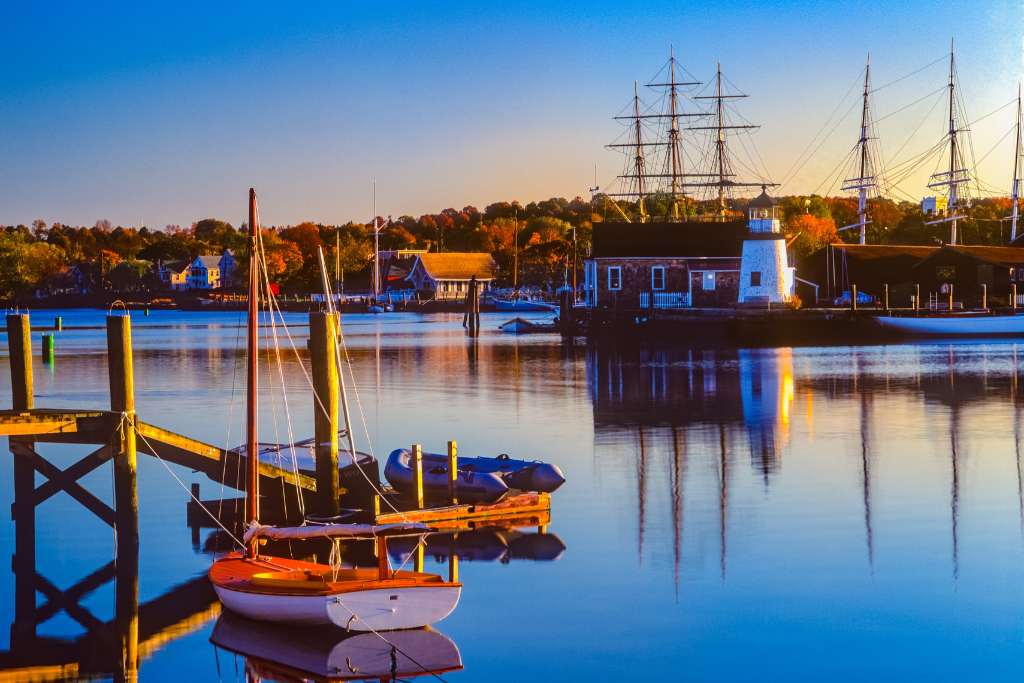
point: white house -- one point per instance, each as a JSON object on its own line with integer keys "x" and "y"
{"x": 447, "y": 275}
{"x": 211, "y": 272}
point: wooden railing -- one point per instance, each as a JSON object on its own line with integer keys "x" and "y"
{"x": 665, "y": 299}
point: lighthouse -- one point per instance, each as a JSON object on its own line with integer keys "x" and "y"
{"x": 765, "y": 275}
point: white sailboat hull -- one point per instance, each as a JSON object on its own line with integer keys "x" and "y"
{"x": 955, "y": 325}
{"x": 382, "y": 609}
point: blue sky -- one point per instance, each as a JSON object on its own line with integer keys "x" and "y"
{"x": 166, "y": 114}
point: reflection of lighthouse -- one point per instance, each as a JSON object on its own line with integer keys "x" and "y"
{"x": 766, "y": 391}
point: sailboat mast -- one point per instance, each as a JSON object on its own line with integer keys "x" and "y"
{"x": 252, "y": 493}
{"x": 638, "y": 159}
{"x": 376, "y": 246}
{"x": 673, "y": 133}
{"x": 1018, "y": 152}
{"x": 515, "y": 250}
{"x": 952, "y": 148}
{"x": 720, "y": 141}
{"x": 862, "y": 191}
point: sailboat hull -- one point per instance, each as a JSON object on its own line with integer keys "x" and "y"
{"x": 384, "y": 609}
{"x": 284, "y": 590}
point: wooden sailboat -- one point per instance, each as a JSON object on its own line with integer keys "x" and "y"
{"x": 278, "y": 589}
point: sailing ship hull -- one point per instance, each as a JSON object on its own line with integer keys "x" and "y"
{"x": 965, "y": 325}
{"x": 287, "y": 591}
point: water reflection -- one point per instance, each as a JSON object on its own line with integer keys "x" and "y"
{"x": 293, "y": 654}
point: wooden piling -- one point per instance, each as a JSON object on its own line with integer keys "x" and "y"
{"x": 471, "y": 317}
{"x": 917, "y": 297}
{"x": 47, "y": 348}
{"x": 1013, "y": 296}
{"x": 122, "y": 400}
{"x": 58, "y": 323}
{"x": 323, "y": 341}
{"x": 19, "y": 345}
{"x": 885, "y": 290}
{"x": 417, "y": 562}
{"x": 565, "y": 313}
{"x": 417, "y": 473}
{"x": 453, "y": 472}
{"x": 853, "y": 297}
{"x": 951, "y": 296}
{"x": 984, "y": 296}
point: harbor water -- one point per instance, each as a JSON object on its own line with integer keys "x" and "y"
{"x": 839, "y": 512}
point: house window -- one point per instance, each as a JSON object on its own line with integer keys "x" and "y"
{"x": 755, "y": 278}
{"x": 658, "y": 277}
{"x": 708, "y": 281}
{"x": 614, "y": 277}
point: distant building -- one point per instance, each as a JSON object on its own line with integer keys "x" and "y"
{"x": 173, "y": 275}
{"x": 678, "y": 264}
{"x": 934, "y": 206}
{"x": 211, "y": 272}
{"x": 447, "y": 275}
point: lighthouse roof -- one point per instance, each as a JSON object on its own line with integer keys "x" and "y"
{"x": 763, "y": 200}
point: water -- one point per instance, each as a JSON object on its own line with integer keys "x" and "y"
{"x": 730, "y": 514}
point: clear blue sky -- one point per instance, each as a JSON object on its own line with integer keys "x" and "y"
{"x": 166, "y": 113}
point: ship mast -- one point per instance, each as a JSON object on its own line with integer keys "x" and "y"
{"x": 638, "y": 158}
{"x": 956, "y": 175}
{"x": 1018, "y": 156}
{"x": 721, "y": 168}
{"x": 252, "y": 455}
{"x": 865, "y": 179}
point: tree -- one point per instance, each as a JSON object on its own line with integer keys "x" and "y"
{"x": 811, "y": 233}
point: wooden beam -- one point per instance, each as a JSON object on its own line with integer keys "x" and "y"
{"x": 73, "y": 489}
{"x": 74, "y": 594}
{"x": 73, "y": 609}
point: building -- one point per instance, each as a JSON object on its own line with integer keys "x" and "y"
{"x": 971, "y": 270}
{"x": 835, "y": 267}
{"x": 765, "y": 274}
{"x": 447, "y": 275}
{"x": 211, "y": 272}
{"x": 173, "y": 275}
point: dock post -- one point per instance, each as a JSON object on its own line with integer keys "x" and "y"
{"x": 417, "y": 473}
{"x": 853, "y": 297}
{"x": 951, "y": 297}
{"x": 885, "y": 289}
{"x": 48, "y": 348}
{"x": 19, "y": 345}
{"x": 1013, "y": 296}
{"x": 126, "y": 497}
{"x": 323, "y": 339}
{"x": 565, "y": 313}
{"x": 417, "y": 562}
{"x": 984, "y": 296}
{"x": 453, "y": 472}
{"x": 58, "y": 324}
{"x": 917, "y": 297}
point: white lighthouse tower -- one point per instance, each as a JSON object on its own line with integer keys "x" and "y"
{"x": 765, "y": 275}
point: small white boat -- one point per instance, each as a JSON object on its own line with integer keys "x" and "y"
{"x": 954, "y": 325}
{"x": 523, "y": 326}
{"x": 276, "y": 653}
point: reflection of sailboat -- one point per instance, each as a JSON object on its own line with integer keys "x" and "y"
{"x": 284, "y": 590}
{"x": 304, "y": 654}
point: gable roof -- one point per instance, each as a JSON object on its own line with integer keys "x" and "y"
{"x": 210, "y": 262}
{"x": 871, "y": 252}
{"x": 459, "y": 265}
{"x": 997, "y": 256}
{"x": 692, "y": 238}
{"x": 177, "y": 266}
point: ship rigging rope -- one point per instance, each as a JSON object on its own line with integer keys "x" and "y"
{"x": 912, "y": 73}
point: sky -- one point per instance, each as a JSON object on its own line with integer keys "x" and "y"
{"x": 157, "y": 114}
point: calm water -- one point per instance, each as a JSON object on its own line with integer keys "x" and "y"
{"x": 790, "y": 513}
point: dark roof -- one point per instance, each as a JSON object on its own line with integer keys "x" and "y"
{"x": 691, "y": 238}
{"x": 763, "y": 200}
{"x": 870, "y": 252}
{"x": 997, "y": 256}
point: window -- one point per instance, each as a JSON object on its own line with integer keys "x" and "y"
{"x": 708, "y": 281}
{"x": 755, "y": 278}
{"x": 614, "y": 277}
{"x": 658, "y": 277}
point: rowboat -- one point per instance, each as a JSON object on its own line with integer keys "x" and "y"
{"x": 288, "y": 591}
{"x": 523, "y": 326}
{"x": 954, "y": 324}
{"x": 300, "y": 653}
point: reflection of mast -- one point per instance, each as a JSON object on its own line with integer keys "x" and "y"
{"x": 723, "y": 499}
{"x": 1020, "y": 475}
{"x": 641, "y": 478}
{"x": 954, "y": 502}
{"x": 866, "y": 474}
{"x": 865, "y": 179}
{"x": 678, "y": 474}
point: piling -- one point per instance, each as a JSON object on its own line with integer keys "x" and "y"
{"x": 58, "y": 323}
{"x": 417, "y": 562}
{"x": 1013, "y": 296}
{"x": 323, "y": 340}
{"x": 885, "y": 291}
{"x": 417, "y": 473}
{"x": 853, "y": 297}
{"x": 951, "y": 297}
{"x": 126, "y": 498}
{"x": 19, "y": 345}
{"x": 984, "y": 297}
{"x": 917, "y": 297}
{"x": 565, "y": 313}
{"x": 48, "y": 348}
{"x": 453, "y": 472}
{"x": 471, "y": 317}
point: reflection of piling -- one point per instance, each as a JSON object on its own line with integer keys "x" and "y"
{"x": 19, "y": 342}
{"x": 323, "y": 340}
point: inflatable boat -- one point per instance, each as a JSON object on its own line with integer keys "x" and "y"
{"x": 479, "y": 480}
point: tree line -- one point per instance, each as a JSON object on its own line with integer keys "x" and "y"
{"x": 538, "y": 238}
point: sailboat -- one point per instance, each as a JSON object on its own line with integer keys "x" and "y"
{"x": 284, "y": 590}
